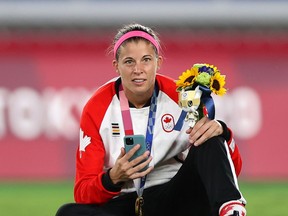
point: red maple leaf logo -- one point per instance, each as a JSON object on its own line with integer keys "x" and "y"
{"x": 167, "y": 120}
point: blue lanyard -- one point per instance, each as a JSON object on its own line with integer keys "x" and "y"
{"x": 127, "y": 121}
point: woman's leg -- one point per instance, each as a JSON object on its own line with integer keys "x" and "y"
{"x": 202, "y": 184}
{"x": 75, "y": 209}
{"x": 120, "y": 206}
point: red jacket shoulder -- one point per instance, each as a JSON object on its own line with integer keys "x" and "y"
{"x": 168, "y": 86}
{"x": 96, "y": 106}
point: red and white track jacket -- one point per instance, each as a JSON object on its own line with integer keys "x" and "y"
{"x": 101, "y": 138}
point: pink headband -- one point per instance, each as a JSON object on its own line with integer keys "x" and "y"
{"x": 135, "y": 34}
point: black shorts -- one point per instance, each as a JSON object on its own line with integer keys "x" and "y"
{"x": 204, "y": 182}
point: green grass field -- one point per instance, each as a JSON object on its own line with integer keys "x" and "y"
{"x": 44, "y": 198}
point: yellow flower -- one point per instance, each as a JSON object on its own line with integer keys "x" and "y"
{"x": 217, "y": 84}
{"x": 187, "y": 78}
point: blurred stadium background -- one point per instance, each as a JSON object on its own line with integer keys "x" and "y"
{"x": 53, "y": 55}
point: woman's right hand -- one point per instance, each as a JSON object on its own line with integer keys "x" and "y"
{"x": 125, "y": 170}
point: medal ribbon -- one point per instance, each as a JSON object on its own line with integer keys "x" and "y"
{"x": 128, "y": 127}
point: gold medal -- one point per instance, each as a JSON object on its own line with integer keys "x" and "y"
{"x": 138, "y": 206}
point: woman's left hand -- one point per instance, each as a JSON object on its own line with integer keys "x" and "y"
{"x": 203, "y": 130}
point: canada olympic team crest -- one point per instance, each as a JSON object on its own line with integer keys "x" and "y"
{"x": 167, "y": 122}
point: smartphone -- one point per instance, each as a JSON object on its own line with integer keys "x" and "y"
{"x": 130, "y": 141}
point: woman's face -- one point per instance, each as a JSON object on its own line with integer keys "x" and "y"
{"x": 137, "y": 65}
